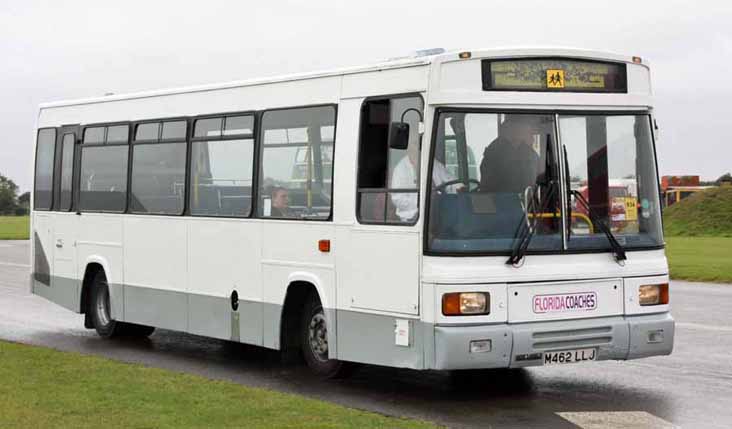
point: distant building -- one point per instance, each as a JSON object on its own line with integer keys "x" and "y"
{"x": 676, "y": 188}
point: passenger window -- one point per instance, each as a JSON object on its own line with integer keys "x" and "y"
{"x": 210, "y": 127}
{"x": 388, "y": 179}
{"x": 222, "y": 167}
{"x": 174, "y": 130}
{"x": 149, "y": 131}
{"x": 94, "y": 135}
{"x": 67, "y": 171}
{"x": 103, "y": 173}
{"x": 239, "y": 125}
{"x": 43, "y": 187}
{"x": 296, "y": 176}
{"x": 158, "y": 170}
{"x": 118, "y": 134}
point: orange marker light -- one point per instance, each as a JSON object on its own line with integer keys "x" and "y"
{"x": 464, "y": 55}
{"x": 653, "y": 294}
{"x": 637, "y": 60}
{"x": 324, "y": 246}
{"x": 451, "y": 304}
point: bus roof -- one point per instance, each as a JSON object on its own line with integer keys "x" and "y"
{"x": 395, "y": 63}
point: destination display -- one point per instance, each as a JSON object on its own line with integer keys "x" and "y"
{"x": 554, "y": 75}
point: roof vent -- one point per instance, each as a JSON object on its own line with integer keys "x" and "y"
{"x": 428, "y": 52}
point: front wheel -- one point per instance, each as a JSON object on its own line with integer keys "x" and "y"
{"x": 314, "y": 342}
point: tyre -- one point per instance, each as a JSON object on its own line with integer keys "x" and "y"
{"x": 314, "y": 342}
{"x": 99, "y": 308}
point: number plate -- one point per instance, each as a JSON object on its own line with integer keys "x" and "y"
{"x": 569, "y": 356}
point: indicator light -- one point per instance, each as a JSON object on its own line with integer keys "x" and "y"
{"x": 465, "y": 303}
{"x": 653, "y": 294}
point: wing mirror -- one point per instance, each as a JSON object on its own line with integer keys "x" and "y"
{"x": 399, "y": 135}
{"x": 399, "y": 131}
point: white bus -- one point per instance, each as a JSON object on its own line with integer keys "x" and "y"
{"x": 420, "y": 213}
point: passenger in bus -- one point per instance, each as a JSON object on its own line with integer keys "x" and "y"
{"x": 406, "y": 176}
{"x": 280, "y": 203}
{"x": 510, "y": 162}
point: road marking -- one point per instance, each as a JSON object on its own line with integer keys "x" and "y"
{"x": 10, "y": 264}
{"x": 704, "y": 327}
{"x": 616, "y": 419}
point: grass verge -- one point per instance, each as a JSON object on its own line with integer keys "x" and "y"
{"x": 706, "y": 259}
{"x": 704, "y": 214}
{"x": 14, "y": 227}
{"x": 43, "y": 388}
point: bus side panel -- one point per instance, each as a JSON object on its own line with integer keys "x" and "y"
{"x": 155, "y": 271}
{"x": 64, "y": 259}
{"x": 43, "y": 282}
{"x": 99, "y": 240}
{"x": 223, "y": 257}
{"x": 290, "y": 253}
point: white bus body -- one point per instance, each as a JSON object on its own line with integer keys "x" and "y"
{"x": 380, "y": 284}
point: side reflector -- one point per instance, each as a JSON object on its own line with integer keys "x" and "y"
{"x": 465, "y": 55}
{"x": 637, "y": 60}
{"x": 324, "y": 246}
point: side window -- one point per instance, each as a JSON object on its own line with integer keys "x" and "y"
{"x": 67, "y": 171}
{"x": 296, "y": 176}
{"x": 43, "y": 183}
{"x": 388, "y": 179}
{"x": 222, "y": 160}
{"x": 159, "y": 168}
{"x": 103, "y": 173}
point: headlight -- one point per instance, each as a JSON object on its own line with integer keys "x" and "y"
{"x": 465, "y": 303}
{"x": 653, "y": 294}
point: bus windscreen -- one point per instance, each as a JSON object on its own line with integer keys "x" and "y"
{"x": 554, "y": 75}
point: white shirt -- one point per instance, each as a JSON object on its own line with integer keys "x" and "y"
{"x": 404, "y": 176}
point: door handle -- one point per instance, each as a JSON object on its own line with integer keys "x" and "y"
{"x": 59, "y": 243}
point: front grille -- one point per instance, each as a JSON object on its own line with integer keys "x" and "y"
{"x": 572, "y": 338}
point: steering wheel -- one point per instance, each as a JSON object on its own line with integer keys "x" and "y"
{"x": 441, "y": 188}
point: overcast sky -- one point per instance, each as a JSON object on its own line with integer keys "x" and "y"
{"x": 63, "y": 50}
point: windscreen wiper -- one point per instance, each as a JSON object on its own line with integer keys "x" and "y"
{"x": 568, "y": 202}
{"x": 618, "y": 250}
{"x": 527, "y": 229}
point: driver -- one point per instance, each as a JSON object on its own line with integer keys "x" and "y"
{"x": 406, "y": 176}
{"x": 510, "y": 162}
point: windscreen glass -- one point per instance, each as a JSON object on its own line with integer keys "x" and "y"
{"x": 491, "y": 172}
{"x": 611, "y": 168}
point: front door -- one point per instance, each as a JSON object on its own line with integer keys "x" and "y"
{"x": 382, "y": 254}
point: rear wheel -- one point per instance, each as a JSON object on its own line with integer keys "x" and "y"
{"x": 314, "y": 342}
{"x": 99, "y": 308}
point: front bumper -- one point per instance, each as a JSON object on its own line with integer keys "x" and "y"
{"x": 523, "y": 344}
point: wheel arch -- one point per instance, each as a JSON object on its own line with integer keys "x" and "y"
{"x": 300, "y": 286}
{"x": 92, "y": 266}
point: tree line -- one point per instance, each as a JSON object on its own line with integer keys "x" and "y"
{"x": 727, "y": 177}
{"x": 10, "y": 202}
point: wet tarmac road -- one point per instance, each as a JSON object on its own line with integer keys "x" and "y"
{"x": 692, "y": 388}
